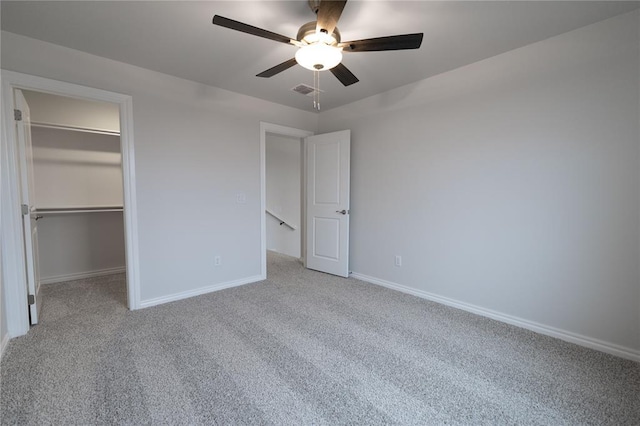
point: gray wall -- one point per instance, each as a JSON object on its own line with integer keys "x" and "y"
{"x": 283, "y": 175}
{"x": 196, "y": 148}
{"x": 72, "y": 245}
{"x": 511, "y": 184}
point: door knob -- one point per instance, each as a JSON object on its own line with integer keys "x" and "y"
{"x": 38, "y": 217}
{"x": 341, "y": 211}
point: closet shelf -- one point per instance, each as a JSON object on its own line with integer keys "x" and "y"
{"x": 79, "y": 209}
{"x": 75, "y": 128}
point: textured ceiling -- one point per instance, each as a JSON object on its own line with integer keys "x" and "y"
{"x": 177, "y": 38}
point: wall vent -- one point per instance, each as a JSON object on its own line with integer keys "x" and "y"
{"x": 305, "y": 89}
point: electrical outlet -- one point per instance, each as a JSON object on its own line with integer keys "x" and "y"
{"x": 217, "y": 261}
{"x": 241, "y": 198}
{"x": 398, "y": 261}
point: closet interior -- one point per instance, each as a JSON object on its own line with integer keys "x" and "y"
{"x": 77, "y": 189}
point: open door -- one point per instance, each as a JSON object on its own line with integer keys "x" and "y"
{"x": 29, "y": 217}
{"x": 327, "y": 209}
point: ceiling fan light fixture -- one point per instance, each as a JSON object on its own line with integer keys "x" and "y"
{"x": 319, "y": 56}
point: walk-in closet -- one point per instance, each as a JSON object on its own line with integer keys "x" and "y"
{"x": 77, "y": 192}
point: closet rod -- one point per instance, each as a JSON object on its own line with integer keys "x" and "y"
{"x": 63, "y": 210}
{"x": 74, "y": 128}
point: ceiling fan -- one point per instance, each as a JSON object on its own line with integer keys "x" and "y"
{"x": 319, "y": 43}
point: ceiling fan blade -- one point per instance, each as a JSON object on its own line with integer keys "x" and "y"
{"x": 329, "y": 13}
{"x": 397, "y": 42}
{"x": 278, "y": 68}
{"x": 343, "y": 74}
{"x": 249, "y": 29}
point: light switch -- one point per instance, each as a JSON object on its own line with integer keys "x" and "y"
{"x": 241, "y": 198}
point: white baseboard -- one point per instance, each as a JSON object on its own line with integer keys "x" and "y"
{"x": 82, "y": 275}
{"x": 568, "y": 336}
{"x": 199, "y": 291}
{"x": 3, "y": 344}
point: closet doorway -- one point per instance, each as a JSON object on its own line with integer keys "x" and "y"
{"x": 75, "y": 193}
{"x": 18, "y": 213}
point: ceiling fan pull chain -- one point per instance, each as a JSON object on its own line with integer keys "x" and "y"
{"x": 316, "y": 97}
{"x": 318, "y": 72}
{"x": 314, "y": 90}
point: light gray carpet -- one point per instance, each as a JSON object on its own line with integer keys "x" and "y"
{"x": 300, "y": 348}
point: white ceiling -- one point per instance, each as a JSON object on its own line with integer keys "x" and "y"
{"x": 177, "y": 38}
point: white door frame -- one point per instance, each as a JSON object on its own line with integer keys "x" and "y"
{"x": 281, "y": 131}
{"x": 13, "y": 262}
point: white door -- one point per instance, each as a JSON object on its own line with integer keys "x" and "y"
{"x": 29, "y": 218}
{"x": 327, "y": 209}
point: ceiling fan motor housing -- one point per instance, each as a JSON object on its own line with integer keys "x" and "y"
{"x": 307, "y": 33}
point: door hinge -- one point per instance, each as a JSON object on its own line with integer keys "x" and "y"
{"x": 17, "y": 115}
{"x": 32, "y": 299}
{"x": 25, "y": 209}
